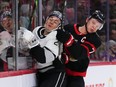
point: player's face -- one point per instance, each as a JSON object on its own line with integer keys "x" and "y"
{"x": 7, "y": 23}
{"x": 52, "y": 23}
{"x": 93, "y": 25}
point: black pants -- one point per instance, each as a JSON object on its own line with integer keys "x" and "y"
{"x": 75, "y": 81}
{"x": 55, "y": 79}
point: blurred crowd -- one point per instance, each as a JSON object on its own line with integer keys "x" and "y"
{"x": 75, "y": 11}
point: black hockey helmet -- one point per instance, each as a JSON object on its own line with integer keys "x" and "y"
{"x": 99, "y": 16}
{"x": 57, "y": 14}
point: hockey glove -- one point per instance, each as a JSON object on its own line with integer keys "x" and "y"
{"x": 64, "y": 58}
{"x": 27, "y": 38}
{"x": 64, "y": 37}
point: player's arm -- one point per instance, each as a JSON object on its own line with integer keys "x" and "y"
{"x": 45, "y": 54}
{"x": 74, "y": 48}
{"x": 68, "y": 27}
{"x": 28, "y": 39}
{"x": 78, "y": 51}
{"x": 49, "y": 52}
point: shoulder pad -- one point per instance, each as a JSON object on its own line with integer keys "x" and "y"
{"x": 36, "y": 30}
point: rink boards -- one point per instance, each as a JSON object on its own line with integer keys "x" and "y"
{"x": 101, "y": 74}
{"x": 98, "y": 75}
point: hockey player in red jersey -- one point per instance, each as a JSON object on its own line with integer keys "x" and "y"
{"x": 79, "y": 43}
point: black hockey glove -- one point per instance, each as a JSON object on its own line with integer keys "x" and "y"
{"x": 64, "y": 37}
{"x": 64, "y": 58}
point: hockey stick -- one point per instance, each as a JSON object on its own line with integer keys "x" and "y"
{"x": 30, "y": 19}
{"x": 63, "y": 7}
{"x": 63, "y": 4}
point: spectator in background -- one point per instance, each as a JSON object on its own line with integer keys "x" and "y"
{"x": 98, "y": 4}
{"x": 112, "y": 51}
{"x": 47, "y": 8}
{"x": 25, "y": 13}
{"x": 4, "y": 6}
{"x": 69, "y": 12}
{"x": 7, "y": 38}
{"x": 6, "y": 23}
{"x": 102, "y": 49}
{"x": 110, "y": 54}
{"x": 70, "y": 15}
{"x": 112, "y": 20}
{"x": 82, "y": 8}
{"x": 113, "y": 34}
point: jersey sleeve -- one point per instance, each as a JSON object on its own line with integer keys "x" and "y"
{"x": 38, "y": 53}
{"x": 93, "y": 41}
{"x": 49, "y": 52}
{"x": 83, "y": 50}
{"x": 68, "y": 26}
{"x": 78, "y": 51}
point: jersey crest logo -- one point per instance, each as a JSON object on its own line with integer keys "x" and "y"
{"x": 83, "y": 39}
{"x": 56, "y": 43}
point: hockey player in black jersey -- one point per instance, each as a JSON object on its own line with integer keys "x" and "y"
{"x": 79, "y": 43}
{"x": 51, "y": 72}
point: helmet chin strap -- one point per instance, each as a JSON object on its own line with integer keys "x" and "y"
{"x": 56, "y": 28}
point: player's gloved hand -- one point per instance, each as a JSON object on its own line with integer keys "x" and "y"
{"x": 64, "y": 37}
{"x": 63, "y": 58}
{"x": 27, "y": 38}
{"x": 5, "y": 41}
